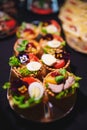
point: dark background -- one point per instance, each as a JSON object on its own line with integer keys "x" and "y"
{"x": 77, "y": 119}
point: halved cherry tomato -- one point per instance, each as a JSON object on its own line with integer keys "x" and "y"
{"x": 55, "y": 23}
{"x": 11, "y": 23}
{"x": 59, "y": 64}
{"x": 32, "y": 57}
{"x": 29, "y": 80}
{"x": 59, "y": 38}
{"x": 29, "y": 31}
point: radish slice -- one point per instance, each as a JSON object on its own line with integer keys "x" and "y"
{"x": 33, "y": 66}
{"x": 54, "y": 43}
{"x": 48, "y": 59}
{"x": 51, "y": 29}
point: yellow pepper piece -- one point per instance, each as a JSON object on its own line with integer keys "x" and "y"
{"x": 50, "y": 79}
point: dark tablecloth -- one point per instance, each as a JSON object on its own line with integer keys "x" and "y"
{"x": 75, "y": 120}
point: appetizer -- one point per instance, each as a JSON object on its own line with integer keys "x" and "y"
{"x": 27, "y": 46}
{"x": 60, "y": 60}
{"x": 27, "y": 65}
{"x": 27, "y": 31}
{"x": 50, "y": 26}
{"x": 61, "y": 83}
{"x": 51, "y": 43}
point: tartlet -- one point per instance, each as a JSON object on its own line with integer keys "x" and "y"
{"x": 26, "y": 97}
{"x": 27, "y": 31}
{"x": 27, "y": 65}
{"x": 51, "y": 43}
{"x": 49, "y": 26}
{"x": 60, "y": 84}
{"x": 61, "y": 59}
{"x": 27, "y": 46}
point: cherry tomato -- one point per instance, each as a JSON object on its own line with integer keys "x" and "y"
{"x": 59, "y": 38}
{"x": 32, "y": 57}
{"x": 59, "y": 64}
{"x": 10, "y": 23}
{"x": 55, "y": 23}
{"x": 29, "y": 31}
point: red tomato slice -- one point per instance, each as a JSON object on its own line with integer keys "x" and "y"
{"x": 59, "y": 38}
{"x": 32, "y": 57}
{"x": 59, "y": 64}
{"x": 29, "y": 31}
{"x": 55, "y": 23}
{"x": 29, "y": 80}
{"x": 10, "y": 23}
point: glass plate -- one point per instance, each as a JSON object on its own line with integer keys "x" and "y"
{"x": 45, "y": 112}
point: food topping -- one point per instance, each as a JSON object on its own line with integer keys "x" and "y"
{"x": 51, "y": 29}
{"x": 48, "y": 59}
{"x": 53, "y": 43}
{"x": 33, "y": 66}
{"x": 36, "y": 90}
{"x": 56, "y": 88}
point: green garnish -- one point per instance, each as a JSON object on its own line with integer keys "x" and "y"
{"x": 23, "y": 45}
{"x": 47, "y": 49}
{"x": 47, "y": 85}
{"x": 13, "y": 61}
{"x": 44, "y": 30}
{"x": 77, "y": 78}
{"x": 63, "y": 43}
{"x": 75, "y": 85}
{"x": 6, "y": 85}
{"x": 62, "y": 71}
{"x": 64, "y": 93}
{"x": 25, "y": 72}
{"x": 20, "y": 101}
{"x": 23, "y": 25}
{"x": 59, "y": 78}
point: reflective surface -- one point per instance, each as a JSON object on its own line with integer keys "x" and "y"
{"x": 45, "y": 112}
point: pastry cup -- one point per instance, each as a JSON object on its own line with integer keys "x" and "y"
{"x": 27, "y": 31}
{"x": 60, "y": 84}
{"x": 27, "y": 65}
{"x": 60, "y": 60}
{"x": 50, "y": 26}
{"x": 51, "y": 43}
{"x": 66, "y": 66}
{"x": 27, "y": 46}
{"x": 26, "y": 97}
{"x": 22, "y": 71}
